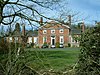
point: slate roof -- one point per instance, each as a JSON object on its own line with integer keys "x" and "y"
{"x": 28, "y": 33}
{"x": 32, "y": 33}
{"x": 75, "y": 30}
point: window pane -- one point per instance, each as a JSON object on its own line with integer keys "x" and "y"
{"x": 61, "y": 30}
{"x": 44, "y": 31}
{"x": 52, "y": 31}
{"x": 44, "y": 39}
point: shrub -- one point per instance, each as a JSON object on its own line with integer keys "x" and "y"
{"x": 66, "y": 45}
{"x": 4, "y": 46}
{"x": 57, "y": 44}
{"x": 89, "y": 59}
{"x": 37, "y": 46}
{"x": 45, "y": 44}
{"x": 69, "y": 45}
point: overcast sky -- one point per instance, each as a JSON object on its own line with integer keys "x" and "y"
{"x": 88, "y": 8}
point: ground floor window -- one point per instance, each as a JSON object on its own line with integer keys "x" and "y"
{"x": 10, "y": 39}
{"x": 61, "y": 39}
{"x": 30, "y": 39}
{"x": 16, "y": 39}
{"x": 44, "y": 39}
{"x": 35, "y": 40}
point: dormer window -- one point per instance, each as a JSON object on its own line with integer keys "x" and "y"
{"x": 53, "y": 31}
{"x": 44, "y": 31}
{"x": 61, "y": 30}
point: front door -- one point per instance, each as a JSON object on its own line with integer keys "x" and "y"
{"x": 52, "y": 40}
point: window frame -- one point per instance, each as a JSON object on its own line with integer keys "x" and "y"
{"x": 10, "y": 39}
{"x": 61, "y": 40}
{"x": 52, "y": 31}
{"x": 61, "y": 30}
{"x": 44, "y": 39}
{"x": 44, "y": 31}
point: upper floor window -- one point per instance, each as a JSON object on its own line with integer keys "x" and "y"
{"x": 52, "y": 31}
{"x": 61, "y": 30}
{"x": 44, "y": 31}
{"x": 61, "y": 39}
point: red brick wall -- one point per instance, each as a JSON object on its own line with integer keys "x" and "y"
{"x": 66, "y": 35}
{"x": 40, "y": 36}
{"x": 57, "y": 34}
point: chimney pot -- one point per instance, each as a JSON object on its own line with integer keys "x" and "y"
{"x": 69, "y": 20}
{"x": 83, "y": 27}
{"x": 41, "y": 21}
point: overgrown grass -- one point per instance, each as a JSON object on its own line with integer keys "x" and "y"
{"x": 57, "y": 59}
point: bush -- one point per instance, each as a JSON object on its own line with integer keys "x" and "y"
{"x": 89, "y": 59}
{"x": 37, "y": 46}
{"x": 69, "y": 45}
{"x": 4, "y": 46}
{"x": 45, "y": 44}
{"x": 28, "y": 45}
{"x": 11, "y": 61}
{"x": 57, "y": 44}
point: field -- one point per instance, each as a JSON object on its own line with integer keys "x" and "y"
{"x": 57, "y": 59}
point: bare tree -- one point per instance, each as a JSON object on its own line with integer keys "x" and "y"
{"x": 66, "y": 15}
{"x": 12, "y": 10}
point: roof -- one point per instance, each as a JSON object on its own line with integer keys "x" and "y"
{"x": 32, "y": 33}
{"x": 75, "y": 30}
{"x": 52, "y": 24}
{"x": 28, "y": 33}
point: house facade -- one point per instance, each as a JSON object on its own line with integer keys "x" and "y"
{"x": 74, "y": 38}
{"x": 75, "y": 35}
{"x": 18, "y": 37}
{"x": 53, "y": 33}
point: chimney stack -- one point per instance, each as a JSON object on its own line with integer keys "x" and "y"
{"x": 69, "y": 20}
{"x": 23, "y": 30}
{"x": 83, "y": 27}
{"x": 41, "y": 21}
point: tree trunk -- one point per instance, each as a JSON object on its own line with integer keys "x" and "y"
{"x": 1, "y": 10}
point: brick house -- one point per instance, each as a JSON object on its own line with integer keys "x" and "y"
{"x": 16, "y": 37}
{"x": 75, "y": 35}
{"x": 32, "y": 37}
{"x": 53, "y": 32}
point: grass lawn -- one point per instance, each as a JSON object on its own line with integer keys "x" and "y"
{"x": 57, "y": 58}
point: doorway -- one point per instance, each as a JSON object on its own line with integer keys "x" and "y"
{"x": 52, "y": 40}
